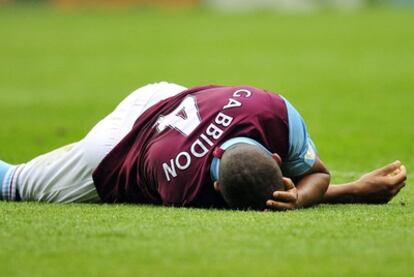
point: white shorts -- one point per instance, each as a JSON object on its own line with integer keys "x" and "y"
{"x": 65, "y": 175}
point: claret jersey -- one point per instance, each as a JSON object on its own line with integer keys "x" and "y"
{"x": 166, "y": 157}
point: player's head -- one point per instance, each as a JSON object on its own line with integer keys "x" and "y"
{"x": 247, "y": 174}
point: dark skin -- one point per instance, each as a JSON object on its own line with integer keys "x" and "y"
{"x": 309, "y": 189}
{"x": 376, "y": 187}
{"x": 303, "y": 191}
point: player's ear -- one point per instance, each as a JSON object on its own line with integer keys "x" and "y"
{"x": 277, "y": 158}
{"x": 216, "y": 185}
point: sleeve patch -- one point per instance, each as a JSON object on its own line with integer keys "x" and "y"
{"x": 302, "y": 152}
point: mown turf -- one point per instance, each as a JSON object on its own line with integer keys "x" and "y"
{"x": 350, "y": 75}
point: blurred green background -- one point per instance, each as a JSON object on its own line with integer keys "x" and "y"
{"x": 347, "y": 68}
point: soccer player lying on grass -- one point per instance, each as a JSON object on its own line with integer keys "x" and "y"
{"x": 212, "y": 146}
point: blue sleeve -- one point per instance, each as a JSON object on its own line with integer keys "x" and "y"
{"x": 302, "y": 151}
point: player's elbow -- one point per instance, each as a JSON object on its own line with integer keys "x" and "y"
{"x": 325, "y": 181}
{"x": 322, "y": 181}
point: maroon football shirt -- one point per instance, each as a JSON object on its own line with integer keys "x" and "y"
{"x": 166, "y": 157}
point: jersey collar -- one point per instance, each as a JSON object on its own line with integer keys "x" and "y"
{"x": 219, "y": 151}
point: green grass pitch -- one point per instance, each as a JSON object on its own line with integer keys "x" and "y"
{"x": 350, "y": 75}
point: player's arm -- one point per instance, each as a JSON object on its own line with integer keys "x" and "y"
{"x": 376, "y": 187}
{"x": 303, "y": 191}
{"x": 309, "y": 178}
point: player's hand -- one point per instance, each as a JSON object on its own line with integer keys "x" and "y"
{"x": 381, "y": 185}
{"x": 284, "y": 200}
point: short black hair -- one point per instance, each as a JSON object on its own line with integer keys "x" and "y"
{"x": 248, "y": 177}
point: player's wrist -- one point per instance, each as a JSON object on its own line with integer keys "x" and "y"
{"x": 353, "y": 191}
{"x": 300, "y": 201}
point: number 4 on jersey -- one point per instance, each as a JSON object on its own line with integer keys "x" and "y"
{"x": 185, "y": 118}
